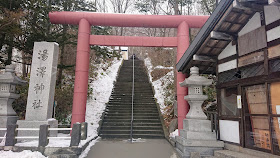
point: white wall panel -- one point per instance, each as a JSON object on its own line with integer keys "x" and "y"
{"x": 227, "y": 66}
{"x": 254, "y": 23}
{"x": 228, "y": 51}
{"x": 272, "y": 13}
{"x": 229, "y": 131}
{"x": 273, "y": 34}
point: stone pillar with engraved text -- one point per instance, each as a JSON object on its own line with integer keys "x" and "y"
{"x": 41, "y": 90}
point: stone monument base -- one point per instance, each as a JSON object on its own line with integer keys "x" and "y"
{"x": 205, "y": 148}
{"x": 6, "y": 120}
{"x": 36, "y": 124}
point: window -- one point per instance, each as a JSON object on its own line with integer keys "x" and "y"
{"x": 274, "y": 65}
{"x": 229, "y": 101}
{"x": 274, "y": 90}
{"x": 257, "y": 120}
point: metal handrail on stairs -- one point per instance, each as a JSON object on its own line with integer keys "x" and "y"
{"x": 132, "y": 99}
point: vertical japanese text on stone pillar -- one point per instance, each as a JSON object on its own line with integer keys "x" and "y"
{"x": 42, "y": 81}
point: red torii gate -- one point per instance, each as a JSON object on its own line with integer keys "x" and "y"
{"x": 87, "y": 19}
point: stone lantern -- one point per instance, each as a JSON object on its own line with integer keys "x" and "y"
{"x": 195, "y": 95}
{"x": 8, "y": 82}
{"x": 196, "y": 135}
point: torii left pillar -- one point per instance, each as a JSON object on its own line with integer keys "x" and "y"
{"x": 182, "y": 45}
{"x": 81, "y": 72}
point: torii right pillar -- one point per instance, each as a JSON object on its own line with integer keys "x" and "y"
{"x": 182, "y": 45}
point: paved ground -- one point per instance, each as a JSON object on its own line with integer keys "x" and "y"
{"x": 149, "y": 148}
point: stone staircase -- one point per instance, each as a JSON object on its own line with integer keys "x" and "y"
{"x": 117, "y": 119}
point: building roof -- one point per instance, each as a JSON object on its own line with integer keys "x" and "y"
{"x": 227, "y": 20}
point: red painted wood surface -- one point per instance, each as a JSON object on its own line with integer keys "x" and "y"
{"x": 127, "y": 20}
{"x": 104, "y": 40}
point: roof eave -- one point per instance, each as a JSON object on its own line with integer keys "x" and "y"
{"x": 203, "y": 33}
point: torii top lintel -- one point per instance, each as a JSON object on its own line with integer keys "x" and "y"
{"x": 127, "y": 20}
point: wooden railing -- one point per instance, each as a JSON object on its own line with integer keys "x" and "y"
{"x": 213, "y": 117}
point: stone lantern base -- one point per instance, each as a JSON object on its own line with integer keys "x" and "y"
{"x": 196, "y": 136}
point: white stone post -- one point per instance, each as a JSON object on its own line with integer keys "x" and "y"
{"x": 41, "y": 88}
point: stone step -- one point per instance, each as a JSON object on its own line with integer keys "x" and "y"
{"x": 114, "y": 93}
{"x": 129, "y": 105}
{"x": 114, "y": 136}
{"x": 63, "y": 156}
{"x": 232, "y": 154}
{"x": 135, "y": 108}
{"x": 134, "y": 124}
{"x": 135, "y": 136}
{"x": 129, "y": 113}
{"x": 136, "y": 84}
{"x": 129, "y": 120}
{"x": 134, "y": 127}
{"x": 128, "y": 102}
{"x": 134, "y": 98}
{"x": 147, "y": 131}
{"x": 135, "y": 117}
{"x": 129, "y": 108}
{"x": 148, "y": 136}
{"x": 128, "y": 89}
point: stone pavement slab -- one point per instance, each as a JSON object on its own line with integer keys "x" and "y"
{"x": 145, "y": 148}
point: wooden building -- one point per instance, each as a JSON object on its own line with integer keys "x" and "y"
{"x": 240, "y": 43}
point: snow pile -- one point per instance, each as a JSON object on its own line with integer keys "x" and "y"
{"x": 23, "y": 154}
{"x": 174, "y": 134}
{"x": 160, "y": 84}
{"x": 162, "y": 67}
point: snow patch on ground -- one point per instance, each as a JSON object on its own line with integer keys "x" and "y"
{"x": 23, "y": 154}
{"x": 52, "y": 142}
{"x": 160, "y": 84}
{"x": 174, "y": 134}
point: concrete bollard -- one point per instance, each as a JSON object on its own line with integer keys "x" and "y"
{"x": 76, "y": 135}
{"x": 43, "y": 135}
{"x": 11, "y": 135}
{"x": 84, "y": 126}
